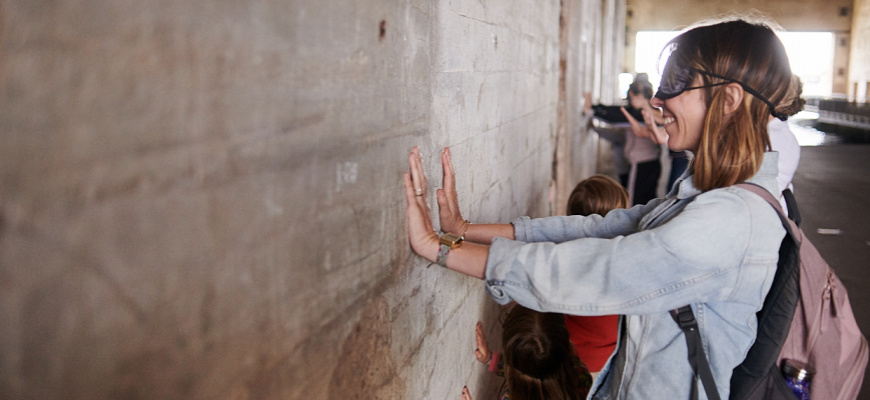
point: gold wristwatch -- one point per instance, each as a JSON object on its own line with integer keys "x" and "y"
{"x": 449, "y": 241}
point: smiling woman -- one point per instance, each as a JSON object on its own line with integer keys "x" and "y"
{"x": 742, "y": 85}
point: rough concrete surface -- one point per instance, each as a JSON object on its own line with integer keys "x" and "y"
{"x": 203, "y": 200}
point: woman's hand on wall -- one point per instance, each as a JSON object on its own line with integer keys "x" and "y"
{"x": 448, "y": 201}
{"x": 468, "y": 258}
{"x": 421, "y": 234}
{"x": 466, "y": 395}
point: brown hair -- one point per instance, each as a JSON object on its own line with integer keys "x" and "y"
{"x": 732, "y": 148}
{"x": 540, "y": 360}
{"x": 793, "y": 103}
{"x": 597, "y": 194}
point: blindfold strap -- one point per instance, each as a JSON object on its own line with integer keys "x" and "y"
{"x": 780, "y": 115}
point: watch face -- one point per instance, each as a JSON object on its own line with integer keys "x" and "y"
{"x": 451, "y": 239}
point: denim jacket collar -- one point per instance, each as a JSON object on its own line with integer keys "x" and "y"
{"x": 765, "y": 177}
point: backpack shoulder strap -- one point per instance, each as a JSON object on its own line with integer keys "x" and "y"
{"x": 791, "y": 203}
{"x": 775, "y": 316}
{"x": 685, "y": 318}
{"x": 787, "y": 221}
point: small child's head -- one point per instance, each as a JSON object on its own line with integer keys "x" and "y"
{"x": 597, "y": 194}
{"x": 539, "y": 357}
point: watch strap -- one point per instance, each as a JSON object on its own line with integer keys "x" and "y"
{"x": 442, "y": 255}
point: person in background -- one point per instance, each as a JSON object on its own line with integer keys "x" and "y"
{"x": 616, "y": 137}
{"x": 642, "y": 153}
{"x": 783, "y": 141}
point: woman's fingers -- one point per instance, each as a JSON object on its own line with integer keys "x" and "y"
{"x": 466, "y": 395}
{"x": 424, "y": 183}
{"x": 410, "y": 196}
{"x": 415, "y": 173}
{"x": 449, "y": 172}
{"x": 449, "y": 178}
{"x": 628, "y": 115}
{"x": 421, "y": 235}
{"x": 447, "y": 167}
{"x": 636, "y": 128}
{"x": 449, "y": 186}
{"x": 417, "y": 213}
{"x": 418, "y": 175}
{"x": 656, "y": 134}
{"x": 448, "y": 200}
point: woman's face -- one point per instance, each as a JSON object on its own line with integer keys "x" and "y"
{"x": 684, "y": 118}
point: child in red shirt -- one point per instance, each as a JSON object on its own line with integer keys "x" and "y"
{"x": 595, "y": 337}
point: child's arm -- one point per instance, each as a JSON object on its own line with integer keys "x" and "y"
{"x": 491, "y": 359}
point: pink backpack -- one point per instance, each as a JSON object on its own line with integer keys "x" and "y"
{"x": 806, "y": 317}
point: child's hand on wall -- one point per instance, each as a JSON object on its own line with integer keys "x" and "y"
{"x": 482, "y": 351}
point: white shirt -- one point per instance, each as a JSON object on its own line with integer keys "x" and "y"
{"x": 784, "y": 142}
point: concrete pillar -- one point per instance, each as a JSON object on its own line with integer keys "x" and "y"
{"x": 859, "y": 62}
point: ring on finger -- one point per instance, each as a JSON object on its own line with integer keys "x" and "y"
{"x": 418, "y": 191}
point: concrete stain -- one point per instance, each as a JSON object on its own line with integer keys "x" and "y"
{"x": 367, "y": 369}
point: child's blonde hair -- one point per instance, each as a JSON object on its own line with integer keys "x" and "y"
{"x": 597, "y": 194}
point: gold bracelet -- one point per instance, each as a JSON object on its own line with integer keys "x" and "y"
{"x": 465, "y": 228}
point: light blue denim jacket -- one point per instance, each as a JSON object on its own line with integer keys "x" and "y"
{"x": 718, "y": 254}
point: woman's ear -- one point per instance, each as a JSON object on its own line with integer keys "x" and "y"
{"x": 734, "y": 95}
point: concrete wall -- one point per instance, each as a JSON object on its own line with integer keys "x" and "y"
{"x": 592, "y": 64}
{"x": 203, "y": 200}
{"x": 793, "y": 15}
{"x": 859, "y": 66}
